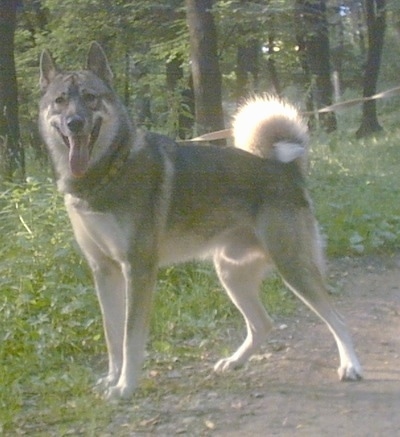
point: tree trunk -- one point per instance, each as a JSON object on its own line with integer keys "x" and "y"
{"x": 181, "y": 99}
{"x": 313, "y": 38}
{"x": 376, "y": 23}
{"x": 205, "y": 66}
{"x": 271, "y": 68}
{"x": 247, "y": 63}
{"x": 12, "y": 153}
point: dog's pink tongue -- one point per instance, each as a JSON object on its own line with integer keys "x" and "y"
{"x": 78, "y": 157}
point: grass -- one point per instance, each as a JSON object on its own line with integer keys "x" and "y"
{"x": 356, "y": 190}
{"x": 50, "y": 329}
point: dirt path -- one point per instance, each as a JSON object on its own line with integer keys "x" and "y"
{"x": 291, "y": 388}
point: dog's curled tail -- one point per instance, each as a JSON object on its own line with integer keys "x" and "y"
{"x": 271, "y": 128}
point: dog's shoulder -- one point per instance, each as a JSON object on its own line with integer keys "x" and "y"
{"x": 155, "y": 140}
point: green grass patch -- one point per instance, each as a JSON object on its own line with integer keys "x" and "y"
{"x": 355, "y": 186}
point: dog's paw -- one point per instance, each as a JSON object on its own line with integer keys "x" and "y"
{"x": 226, "y": 364}
{"x": 118, "y": 392}
{"x": 350, "y": 373}
{"x": 106, "y": 381}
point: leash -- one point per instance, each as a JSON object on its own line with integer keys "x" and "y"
{"x": 227, "y": 133}
{"x": 349, "y": 103}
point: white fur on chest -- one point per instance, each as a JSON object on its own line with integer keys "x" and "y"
{"x": 98, "y": 231}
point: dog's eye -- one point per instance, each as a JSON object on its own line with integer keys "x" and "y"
{"x": 89, "y": 98}
{"x": 60, "y": 100}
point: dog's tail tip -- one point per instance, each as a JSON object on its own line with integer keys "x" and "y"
{"x": 287, "y": 152}
{"x": 272, "y": 128}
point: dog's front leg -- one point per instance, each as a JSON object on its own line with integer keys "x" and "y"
{"x": 109, "y": 281}
{"x": 110, "y": 288}
{"x": 140, "y": 277}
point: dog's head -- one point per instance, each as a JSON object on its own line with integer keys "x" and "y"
{"x": 77, "y": 111}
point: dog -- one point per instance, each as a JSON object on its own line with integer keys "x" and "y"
{"x": 138, "y": 201}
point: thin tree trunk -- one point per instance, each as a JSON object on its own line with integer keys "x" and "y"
{"x": 247, "y": 63}
{"x": 181, "y": 98}
{"x": 376, "y": 23}
{"x": 11, "y": 148}
{"x": 271, "y": 67}
{"x": 312, "y": 34}
{"x": 205, "y": 66}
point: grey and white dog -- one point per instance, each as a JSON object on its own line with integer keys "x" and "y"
{"x": 138, "y": 201}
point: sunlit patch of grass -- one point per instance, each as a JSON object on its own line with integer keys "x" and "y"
{"x": 356, "y": 190}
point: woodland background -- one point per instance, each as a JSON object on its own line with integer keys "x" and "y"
{"x": 52, "y": 348}
{"x": 181, "y": 66}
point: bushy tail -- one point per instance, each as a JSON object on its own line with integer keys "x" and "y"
{"x": 271, "y": 128}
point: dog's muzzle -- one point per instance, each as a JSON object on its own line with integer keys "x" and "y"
{"x": 80, "y": 145}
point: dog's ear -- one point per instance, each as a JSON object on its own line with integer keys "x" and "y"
{"x": 48, "y": 70}
{"x": 98, "y": 64}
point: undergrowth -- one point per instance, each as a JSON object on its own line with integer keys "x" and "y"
{"x": 356, "y": 189}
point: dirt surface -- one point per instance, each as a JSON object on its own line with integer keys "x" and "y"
{"x": 291, "y": 387}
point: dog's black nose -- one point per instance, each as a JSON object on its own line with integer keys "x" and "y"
{"x": 75, "y": 124}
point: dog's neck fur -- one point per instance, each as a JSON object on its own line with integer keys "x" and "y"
{"x": 104, "y": 171}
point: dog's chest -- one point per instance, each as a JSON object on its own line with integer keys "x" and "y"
{"x": 98, "y": 231}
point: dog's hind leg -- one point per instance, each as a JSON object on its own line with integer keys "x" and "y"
{"x": 292, "y": 240}
{"x": 241, "y": 265}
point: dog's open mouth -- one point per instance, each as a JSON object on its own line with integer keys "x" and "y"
{"x": 80, "y": 148}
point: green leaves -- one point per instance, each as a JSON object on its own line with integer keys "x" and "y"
{"x": 48, "y": 309}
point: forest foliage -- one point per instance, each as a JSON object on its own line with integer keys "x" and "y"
{"x": 144, "y": 37}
